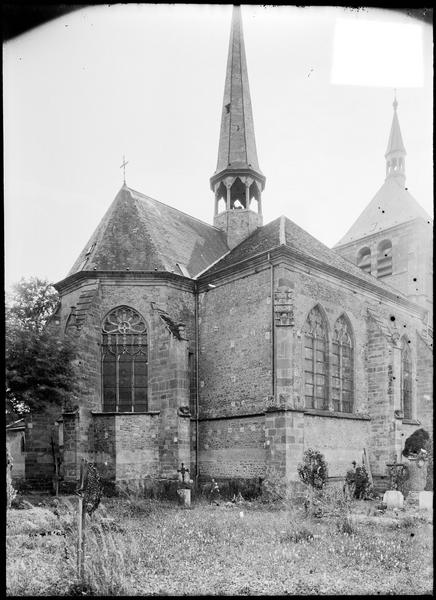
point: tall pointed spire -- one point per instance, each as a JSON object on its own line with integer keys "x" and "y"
{"x": 237, "y": 179}
{"x": 396, "y": 153}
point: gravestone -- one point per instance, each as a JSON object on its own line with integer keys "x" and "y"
{"x": 184, "y": 497}
{"x": 417, "y": 473}
{"x": 425, "y": 500}
{"x": 393, "y": 499}
{"x": 184, "y": 492}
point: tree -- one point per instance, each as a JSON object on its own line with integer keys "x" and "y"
{"x": 30, "y": 304}
{"x": 39, "y": 367}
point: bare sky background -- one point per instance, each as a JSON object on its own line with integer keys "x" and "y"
{"x": 147, "y": 81}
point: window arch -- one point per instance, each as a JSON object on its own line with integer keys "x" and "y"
{"x": 364, "y": 259}
{"x": 384, "y": 259}
{"x": 406, "y": 379}
{"x": 342, "y": 366}
{"x": 316, "y": 360}
{"x": 124, "y": 361}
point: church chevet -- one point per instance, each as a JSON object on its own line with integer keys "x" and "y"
{"x": 230, "y": 349}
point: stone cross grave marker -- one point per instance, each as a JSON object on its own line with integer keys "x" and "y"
{"x": 183, "y": 470}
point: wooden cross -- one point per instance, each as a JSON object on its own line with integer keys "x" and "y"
{"x": 123, "y": 166}
{"x": 183, "y": 470}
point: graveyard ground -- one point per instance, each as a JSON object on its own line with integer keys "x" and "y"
{"x": 141, "y": 547}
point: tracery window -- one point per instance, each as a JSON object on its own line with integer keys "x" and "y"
{"x": 316, "y": 360}
{"x": 364, "y": 260}
{"x": 406, "y": 379}
{"x": 384, "y": 259}
{"x": 124, "y": 361}
{"x": 342, "y": 366}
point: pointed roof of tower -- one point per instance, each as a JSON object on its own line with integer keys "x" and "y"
{"x": 395, "y": 143}
{"x": 392, "y": 204}
{"x": 237, "y": 144}
{"x": 138, "y": 233}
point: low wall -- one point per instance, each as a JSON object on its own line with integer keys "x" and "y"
{"x": 232, "y": 448}
{"x": 126, "y": 445}
{"x": 341, "y": 440}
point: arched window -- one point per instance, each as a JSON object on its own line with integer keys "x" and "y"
{"x": 406, "y": 379}
{"x": 384, "y": 259}
{"x": 316, "y": 360}
{"x": 364, "y": 260}
{"x": 342, "y": 366}
{"x": 124, "y": 361}
{"x": 23, "y": 444}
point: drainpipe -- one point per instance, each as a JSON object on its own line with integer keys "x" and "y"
{"x": 272, "y": 327}
{"x": 197, "y": 466}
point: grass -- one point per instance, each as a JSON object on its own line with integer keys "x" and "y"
{"x": 156, "y": 548}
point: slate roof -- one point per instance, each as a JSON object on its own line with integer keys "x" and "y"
{"x": 391, "y": 205}
{"x": 237, "y": 145}
{"x": 283, "y": 231}
{"x": 395, "y": 142}
{"x": 143, "y": 234}
{"x": 16, "y": 425}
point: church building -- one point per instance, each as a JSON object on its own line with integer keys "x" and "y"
{"x": 234, "y": 347}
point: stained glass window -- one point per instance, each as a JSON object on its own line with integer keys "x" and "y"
{"x": 342, "y": 366}
{"x": 315, "y": 361}
{"x": 124, "y": 361}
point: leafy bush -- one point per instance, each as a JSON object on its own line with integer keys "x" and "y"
{"x": 357, "y": 481}
{"x": 416, "y": 442}
{"x": 398, "y": 474}
{"x": 313, "y": 471}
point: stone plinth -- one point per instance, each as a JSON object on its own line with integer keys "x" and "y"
{"x": 393, "y": 499}
{"x": 184, "y": 497}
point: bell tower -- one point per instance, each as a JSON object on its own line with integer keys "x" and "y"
{"x": 237, "y": 182}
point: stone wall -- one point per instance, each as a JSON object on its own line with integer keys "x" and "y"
{"x": 424, "y": 384}
{"x": 125, "y": 445}
{"x": 14, "y": 441}
{"x": 169, "y": 377}
{"x": 341, "y": 440}
{"x": 235, "y": 347}
{"x": 39, "y": 461}
{"x": 232, "y": 448}
{"x": 411, "y": 258}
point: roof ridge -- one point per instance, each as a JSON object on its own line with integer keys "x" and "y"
{"x": 282, "y": 233}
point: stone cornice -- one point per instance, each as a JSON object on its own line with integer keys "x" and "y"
{"x": 125, "y": 278}
{"x": 314, "y": 412}
{"x": 306, "y": 411}
{"x": 228, "y": 417}
{"x": 151, "y": 413}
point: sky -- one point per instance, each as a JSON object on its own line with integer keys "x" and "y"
{"x": 146, "y": 82}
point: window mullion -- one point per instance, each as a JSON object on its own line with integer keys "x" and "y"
{"x": 133, "y": 381}
{"x": 314, "y": 371}
{"x": 117, "y": 375}
{"x": 341, "y": 375}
